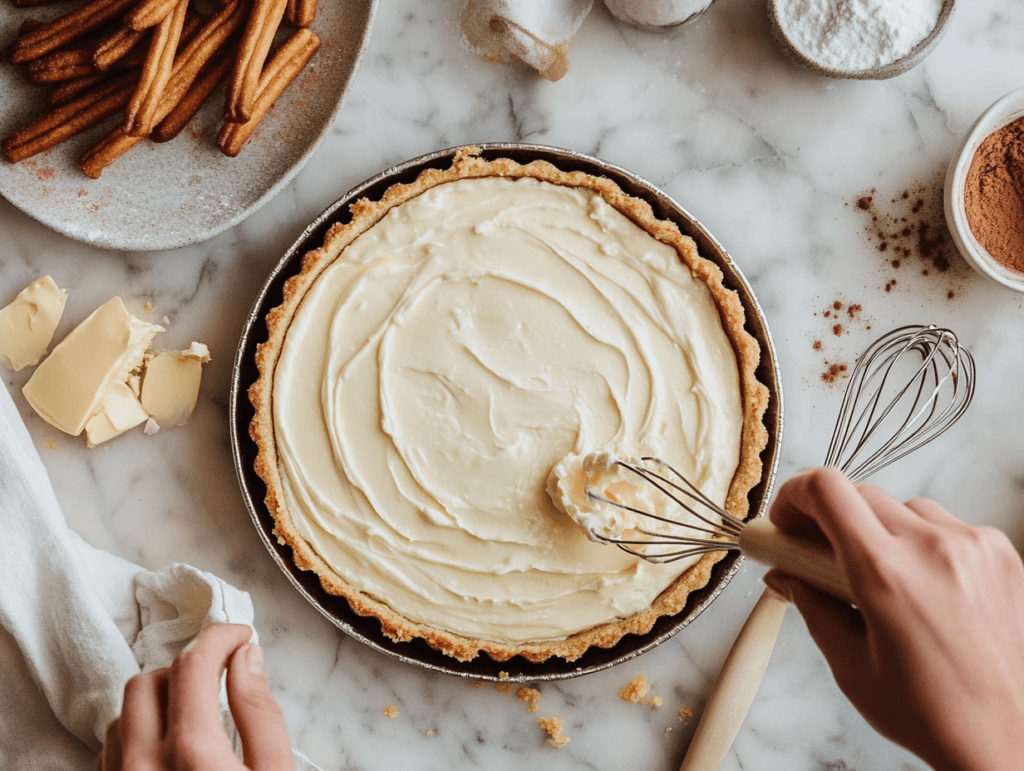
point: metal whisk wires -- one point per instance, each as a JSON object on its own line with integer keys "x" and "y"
{"x": 909, "y": 386}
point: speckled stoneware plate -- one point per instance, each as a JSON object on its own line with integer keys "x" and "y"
{"x": 367, "y": 630}
{"x": 164, "y": 196}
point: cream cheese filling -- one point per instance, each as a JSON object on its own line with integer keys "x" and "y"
{"x": 478, "y": 336}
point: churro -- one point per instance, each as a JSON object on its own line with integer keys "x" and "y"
{"x": 140, "y": 116}
{"x": 208, "y": 42}
{"x": 264, "y": 19}
{"x": 149, "y": 13}
{"x": 69, "y": 89}
{"x": 61, "y": 65}
{"x": 64, "y": 29}
{"x": 283, "y": 67}
{"x": 115, "y": 46}
{"x": 300, "y": 13}
{"x": 195, "y": 98}
{"x": 69, "y": 119}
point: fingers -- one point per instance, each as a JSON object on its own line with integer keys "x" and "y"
{"x": 932, "y": 512}
{"x": 837, "y": 629}
{"x": 194, "y": 681}
{"x": 257, "y": 716}
{"x": 141, "y": 722}
{"x": 110, "y": 758}
{"x": 825, "y": 499}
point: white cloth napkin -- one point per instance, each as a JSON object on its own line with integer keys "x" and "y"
{"x": 535, "y": 32}
{"x": 77, "y": 622}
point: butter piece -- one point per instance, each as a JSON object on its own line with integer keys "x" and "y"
{"x": 170, "y": 384}
{"x": 27, "y": 324}
{"x": 73, "y": 382}
{"x": 119, "y": 412}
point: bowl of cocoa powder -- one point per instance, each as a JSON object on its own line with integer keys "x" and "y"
{"x": 984, "y": 193}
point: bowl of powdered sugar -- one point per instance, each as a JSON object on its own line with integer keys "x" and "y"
{"x": 860, "y": 39}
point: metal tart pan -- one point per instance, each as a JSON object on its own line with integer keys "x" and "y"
{"x": 417, "y": 652}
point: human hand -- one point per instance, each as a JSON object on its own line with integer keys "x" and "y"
{"x": 170, "y": 719}
{"x": 933, "y": 653}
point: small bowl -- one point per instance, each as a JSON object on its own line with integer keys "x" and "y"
{"x": 891, "y": 70}
{"x": 1006, "y": 110}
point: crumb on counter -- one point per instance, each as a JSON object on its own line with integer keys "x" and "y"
{"x": 50, "y": 444}
{"x": 530, "y": 697}
{"x": 685, "y": 713}
{"x": 553, "y": 728}
{"x": 429, "y": 732}
{"x": 391, "y": 711}
{"x": 636, "y": 690}
{"x": 503, "y": 675}
{"x": 504, "y": 687}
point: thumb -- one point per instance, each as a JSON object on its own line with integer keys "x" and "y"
{"x": 258, "y": 718}
{"x": 836, "y": 628}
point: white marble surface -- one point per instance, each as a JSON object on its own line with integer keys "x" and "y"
{"x": 772, "y": 159}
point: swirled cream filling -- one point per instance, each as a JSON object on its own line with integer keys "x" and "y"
{"x": 435, "y": 373}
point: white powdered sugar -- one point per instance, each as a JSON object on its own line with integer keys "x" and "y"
{"x": 857, "y": 34}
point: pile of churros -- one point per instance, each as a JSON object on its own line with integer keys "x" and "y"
{"x": 156, "y": 62}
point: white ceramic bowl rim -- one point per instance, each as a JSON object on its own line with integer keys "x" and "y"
{"x": 1002, "y": 112}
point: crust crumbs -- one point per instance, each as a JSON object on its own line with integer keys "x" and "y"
{"x": 391, "y": 711}
{"x": 685, "y": 713}
{"x": 553, "y": 728}
{"x": 530, "y": 697}
{"x": 365, "y": 214}
{"x": 635, "y": 690}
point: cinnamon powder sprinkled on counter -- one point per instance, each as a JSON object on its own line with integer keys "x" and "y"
{"x": 851, "y": 314}
{"x": 834, "y": 373}
{"x": 909, "y": 231}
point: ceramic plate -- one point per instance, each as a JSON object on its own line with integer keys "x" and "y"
{"x": 368, "y": 630}
{"x": 164, "y": 196}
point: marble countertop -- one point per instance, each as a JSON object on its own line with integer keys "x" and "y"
{"x": 773, "y": 160}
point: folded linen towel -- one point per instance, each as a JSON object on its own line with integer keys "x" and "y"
{"x": 535, "y": 32}
{"x": 77, "y": 622}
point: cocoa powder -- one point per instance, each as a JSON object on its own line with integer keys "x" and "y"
{"x": 994, "y": 195}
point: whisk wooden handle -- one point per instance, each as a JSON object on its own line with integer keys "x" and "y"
{"x": 762, "y": 541}
{"x": 736, "y": 686}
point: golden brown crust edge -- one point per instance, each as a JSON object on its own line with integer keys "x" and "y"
{"x": 365, "y": 214}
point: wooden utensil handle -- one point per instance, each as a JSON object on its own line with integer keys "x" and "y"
{"x": 736, "y": 686}
{"x": 814, "y": 563}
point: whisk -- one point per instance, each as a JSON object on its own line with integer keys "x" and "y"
{"x": 908, "y": 387}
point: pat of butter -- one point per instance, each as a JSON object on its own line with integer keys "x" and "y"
{"x": 73, "y": 382}
{"x": 170, "y": 385}
{"x": 119, "y": 412}
{"x": 28, "y": 323}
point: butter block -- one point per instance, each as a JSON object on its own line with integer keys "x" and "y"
{"x": 73, "y": 382}
{"x": 170, "y": 384}
{"x": 28, "y": 323}
{"x": 119, "y": 412}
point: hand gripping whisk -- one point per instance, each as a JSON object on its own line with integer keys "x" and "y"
{"x": 908, "y": 387}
